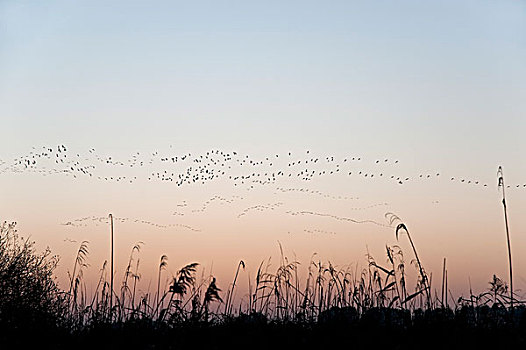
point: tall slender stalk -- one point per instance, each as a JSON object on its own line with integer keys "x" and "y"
{"x": 79, "y": 260}
{"x": 136, "y": 277}
{"x": 401, "y": 226}
{"x": 500, "y": 176}
{"x": 111, "y": 273}
{"x": 230, "y": 294}
{"x": 447, "y": 305}
{"x": 162, "y": 265}
{"x": 443, "y": 282}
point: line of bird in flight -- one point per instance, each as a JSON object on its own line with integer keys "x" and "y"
{"x": 97, "y": 220}
{"x": 239, "y": 169}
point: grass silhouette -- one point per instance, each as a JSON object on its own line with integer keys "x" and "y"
{"x": 330, "y": 303}
{"x": 500, "y": 175}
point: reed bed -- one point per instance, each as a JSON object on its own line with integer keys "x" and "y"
{"x": 278, "y": 294}
{"x": 274, "y": 294}
{"x": 376, "y": 296}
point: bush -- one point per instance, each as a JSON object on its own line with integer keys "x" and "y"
{"x": 29, "y": 296}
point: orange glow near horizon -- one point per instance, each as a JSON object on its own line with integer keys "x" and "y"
{"x": 335, "y": 218}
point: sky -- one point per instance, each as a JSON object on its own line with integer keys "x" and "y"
{"x": 439, "y": 87}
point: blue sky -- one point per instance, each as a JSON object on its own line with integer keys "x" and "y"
{"x": 308, "y": 72}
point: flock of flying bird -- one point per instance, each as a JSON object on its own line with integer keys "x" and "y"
{"x": 241, "y": 170}
{"x": 185, "y": 169}
{"x": 105, "y": 220}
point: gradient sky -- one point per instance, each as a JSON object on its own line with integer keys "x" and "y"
{"x": 439, "y": 86}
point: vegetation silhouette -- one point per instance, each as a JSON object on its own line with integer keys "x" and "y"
{"x": 372, "y": 307}
{"x": 30, "y": 300}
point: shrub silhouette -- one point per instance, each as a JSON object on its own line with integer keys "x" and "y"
{"x": 29, "y": 295}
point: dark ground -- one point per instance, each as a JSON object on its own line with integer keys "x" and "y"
{"x": 375, "y": 330}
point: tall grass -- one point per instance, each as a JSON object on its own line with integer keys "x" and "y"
{"x": 112, "y": 271}
{"x": 230, "y": 292}
{"x": 328, "y": 292}
{"x": 162, "y": 265}
{"x": 277, "y": 294}
{"x": 424, "y": 284}
{"x": 500, "y": 175}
